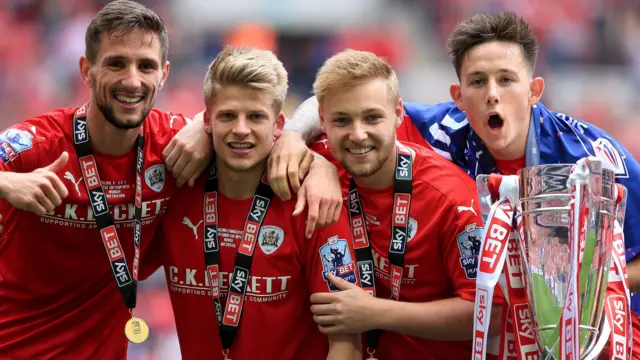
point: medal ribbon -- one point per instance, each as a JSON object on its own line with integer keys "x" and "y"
{"x": 579, "y": 208}
{"x": 499, "y": 244}
{"x": 402, "y": 190}
{"x": 491, "y": 260}
{"x": 617, "y": 303}
{"x": 229, "y": 319}
{"x": 127, "y": 284}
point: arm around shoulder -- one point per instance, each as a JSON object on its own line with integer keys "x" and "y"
{"x": 305, "y": 120}
{"x": 189, "y": 151}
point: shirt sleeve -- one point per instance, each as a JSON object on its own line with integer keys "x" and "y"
{"x": 321, "y": 147}
{"x": 329, "y": 251}
{"x": 409, "y": 133}
{"x": 177, "y": 122}
{"x": 154, "y": 256}
{"x": 462, "y": 236}
{"x": 23, "y": 151}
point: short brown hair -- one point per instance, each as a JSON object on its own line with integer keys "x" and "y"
{"x": 483, "y": 28}
{"x": 124, "y": 16}
{"x": 253, "y": 68}
{"x": 349, "y": 68}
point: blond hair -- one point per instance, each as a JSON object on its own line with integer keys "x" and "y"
{"x": 349, "y": 68}
{"x": 253, "y": 68}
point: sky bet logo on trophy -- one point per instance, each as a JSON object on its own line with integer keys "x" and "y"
{"x": 553, "y": 241}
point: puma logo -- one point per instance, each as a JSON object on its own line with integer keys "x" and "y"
{"x": 467, "y": 208}
{"x": 33, "y": 130}
{"x": 186, "y": 221}
{"x": 173, "y": 117}
{"x": 69, "y": 176}
{"x": 325, "y": 142}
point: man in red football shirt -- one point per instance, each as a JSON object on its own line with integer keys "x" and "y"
{"x": 58, "y": 296}
{"x": 422, "y": 216}
{"x": 77, "y": 171}
{"x": 257, "y": 266}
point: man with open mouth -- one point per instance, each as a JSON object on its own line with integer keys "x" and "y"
{"x": 496, "y": 123}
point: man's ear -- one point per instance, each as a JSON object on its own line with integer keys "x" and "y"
{"x": 322, "y": 124}
{"x": 85, "y": 71}
{"x": 206, "y": 119}
{"x": 455, "y": 90}
{"x": 165, "y": 73}
{"x": 536, "y": 88}
{"x": 399, "y": 113}
{"x": 279, "y": 125}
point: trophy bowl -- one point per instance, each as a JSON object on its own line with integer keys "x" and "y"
{"x": 542, "y": 213}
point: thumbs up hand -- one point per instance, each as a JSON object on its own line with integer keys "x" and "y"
{"x": 39, "y": 191}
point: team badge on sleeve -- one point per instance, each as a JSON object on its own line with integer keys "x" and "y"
{"x": 469, "y": 246}
{"x": 336, "y": 259}
{"x": 14, "y": 141}
{"x": 270, "y": 238}
{"x": 154, "y": 177}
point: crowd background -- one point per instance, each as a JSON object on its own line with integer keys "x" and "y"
{"x": 590, "y": 58}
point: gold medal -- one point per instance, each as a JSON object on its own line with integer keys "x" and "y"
{"x": 136, "y": 330}
{"x": 225, "y": 353}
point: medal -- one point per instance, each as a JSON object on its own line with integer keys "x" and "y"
{"x": 136, "y": 330}
{"x": 225, "y": 353}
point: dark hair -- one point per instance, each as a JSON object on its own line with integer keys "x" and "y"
{"x": 124, "y": 16}
{"x": 482, "y": 28}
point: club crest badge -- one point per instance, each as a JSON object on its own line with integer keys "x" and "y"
{"x": 336, "y": 259}
{"x": 412, "y": 228}
{"x": 270, "y": 238}
{"x": 155, "y": 176}
{"x": 469, "y": 243}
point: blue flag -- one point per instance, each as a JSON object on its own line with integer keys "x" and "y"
{"x": 553, "y": 138}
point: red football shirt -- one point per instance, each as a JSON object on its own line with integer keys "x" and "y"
{"x": 58, "y": 296}
{"x": 440, "y": 263}
{"x": 287, "y": 268}
{"x": 445, "y": 228}
{"x": 407, "y": 131}
{"x": 510, "y": 167}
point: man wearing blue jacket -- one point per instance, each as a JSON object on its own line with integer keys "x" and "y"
{"x": 496, "y": 123}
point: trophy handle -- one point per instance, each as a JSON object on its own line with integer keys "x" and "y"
{"x": 603, "y": 338}
{"x": 621, "y": 203}
{"x": 494, "y": 187}
{"x": 484, "y": 195}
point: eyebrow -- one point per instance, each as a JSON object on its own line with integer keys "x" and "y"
{"x": 125, "y": 59}
{"x": 233, "y": 110}
{"x": 365, "y": 111}
{"x": 502, "y": 70}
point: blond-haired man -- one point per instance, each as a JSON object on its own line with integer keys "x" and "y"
{"x": 257, "y": 265}
{"x": 417, "y": 237}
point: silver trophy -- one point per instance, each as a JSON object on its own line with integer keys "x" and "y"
{"x": 542, "y": 207}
